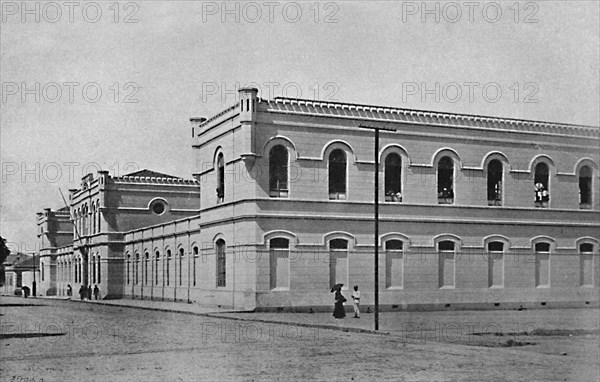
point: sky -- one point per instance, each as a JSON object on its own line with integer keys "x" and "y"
{"x": 106, "y": 85}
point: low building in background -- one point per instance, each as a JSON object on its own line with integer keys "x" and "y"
{"x": 20, "y": 271}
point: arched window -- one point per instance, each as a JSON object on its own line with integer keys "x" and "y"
{"x": 338, "y": 262}
{"x": 137, "y": 266}
{"x": 394, "y": 265}
{"x": 495, "y": 264}
{"x": 93, "y": 218}
{"x": 542, "y": 265}
{"x": 337, "y": 175}
{"x": 221, "y": 263}
{"x": 494, "y": 183}
{"x": 181, "y": 255}
{"x": 78, "y": 225}
{"x": 446, "y": 252}
{"x": 279, "y": 263}
{"x": 445, "y": 181}
{"x": 541, "y": 185}
{"x": 195, "y": 251}
{"x": 83, "y": 220}
{"x": 220, "y": 178}
{"x": 168, "y": 273}
{"x": 586, "y": 265}
{"x": 393, "y": 178}
{"x": 585, "y": 187}
{"x": 156, "y": 263}
{"x": 146, "y": 264}
{"x": 278, "y": 172}
{"x": 93, "y": 269}
{"x": 128, "y": 264}
{"x": 99, "y": 215}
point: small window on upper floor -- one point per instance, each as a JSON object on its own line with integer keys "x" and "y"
{"x": 393, "y": 178}
{"x": 541, "y": 185}
{"x": 585, "y": 187}
{"x": 278, "y": 172}
{"x": 494, "y": 183}
{"x": 220, "y": 178}
{"x": 445, "y": 181}
{"x": 337, "y": 175}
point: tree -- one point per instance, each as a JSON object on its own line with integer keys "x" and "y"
{"x": 4, "y": 251}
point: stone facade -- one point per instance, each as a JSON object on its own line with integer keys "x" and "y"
{"x": 475, "y": 242}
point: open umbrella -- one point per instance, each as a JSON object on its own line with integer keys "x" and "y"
{"x": 337, "y": 287}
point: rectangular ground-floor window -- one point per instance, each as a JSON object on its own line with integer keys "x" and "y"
{"x": 495, "y": 257}
{"x": 446, "y": 265}
{"x": 221, "y": 264}
{"x": 394, "y": 264}
{"x": 586, "y": 265}
{"x": 338, "y": 262}
{"x": 542, "y": 265}
{"x": 279, "y": 263}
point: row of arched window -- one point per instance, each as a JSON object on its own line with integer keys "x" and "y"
{"x": 166, "y": 270}
{"x": 87, "y": 219}
{"x": 448, "y": 255}
{"x": 71, "y": 271}
{"x": 445, "y": 174}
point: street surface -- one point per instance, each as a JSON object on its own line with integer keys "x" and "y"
{"x": 53, "y": 340}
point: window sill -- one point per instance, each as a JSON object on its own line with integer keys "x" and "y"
{"x": 543, "y": 287}
{"x": 278, "y": 193}
{"x": 280, "y": 289}
{"x": 448, "y": 287}
{"x": 585, "y": 206}
{"x": 445, "y": 200}
{"x": 496, "y": 287}
{"x": 337, "y": 196}
{"x": 495, "y": 203}
{"x": 395, "y": 288}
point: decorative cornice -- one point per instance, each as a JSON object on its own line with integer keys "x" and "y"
{"x": 154, "y": 180}
{"x": 395, "y": 115}
{"x": 217, "y": 116}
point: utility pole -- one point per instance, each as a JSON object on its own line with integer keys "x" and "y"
{"x": 376, "y": 219}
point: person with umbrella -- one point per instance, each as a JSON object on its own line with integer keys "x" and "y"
{"x": 338, "y": 308}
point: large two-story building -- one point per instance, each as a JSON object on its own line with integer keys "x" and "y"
{"x": 475, "y": 212}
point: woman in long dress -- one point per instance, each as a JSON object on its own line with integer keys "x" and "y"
{"x": 338, "y": 310}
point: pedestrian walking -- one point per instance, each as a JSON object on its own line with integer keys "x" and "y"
{"x": 89, "y": 292}
{"x": 69, "y": 290}
{"x": 356, "y": 301}
{"x": 81, "y": 292}
{"x": 338, "y": 308}
{"x": 96, "y": 292}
